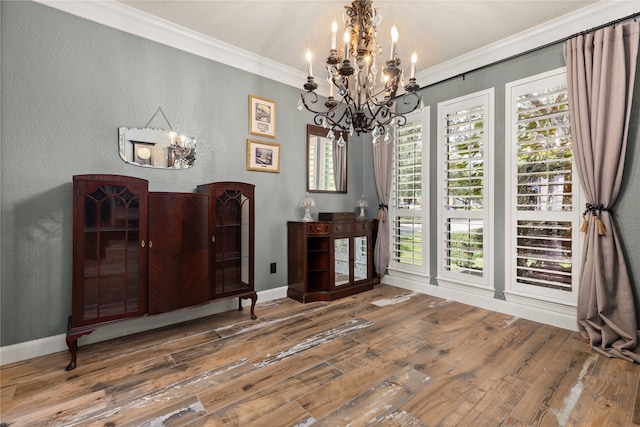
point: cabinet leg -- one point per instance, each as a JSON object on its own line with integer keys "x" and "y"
{"x": 254, "y": 299}
{"x": 72, "y": 343}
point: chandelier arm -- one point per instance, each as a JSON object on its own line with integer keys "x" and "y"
{"x": 303, "y": 98}
{"x": 409, "y": 94}
{"x": 314, "y": 100}
{"x": 405, "y": 101}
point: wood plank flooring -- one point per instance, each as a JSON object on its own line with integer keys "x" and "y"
{"x": 385, "y": 357}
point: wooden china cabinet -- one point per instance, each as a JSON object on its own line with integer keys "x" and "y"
{"x": 137, "y": 253}
{"x": 231, "y": 232}
{"x": 330, "y": 258}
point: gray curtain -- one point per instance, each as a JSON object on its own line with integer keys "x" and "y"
{"x": 600, "y": 76}
{"x": 382, "y": 168}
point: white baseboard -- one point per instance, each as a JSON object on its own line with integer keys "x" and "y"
{"x": 43, "y": 346}
{"x": 560, "y": 320}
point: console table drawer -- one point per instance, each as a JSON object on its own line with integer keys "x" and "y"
{"x": 364, "y": 226}
{"x": 342, "y": 227}
{"x": 318, "y": 228}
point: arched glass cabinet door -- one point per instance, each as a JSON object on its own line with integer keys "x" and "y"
{"x": 232, "y": 242}
{"x": 110, "y": 238}
{"x": 231, "y": 231}
{"x": 110, "y": 247}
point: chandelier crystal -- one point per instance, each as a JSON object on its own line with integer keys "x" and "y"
{"x": 364, "y": 102}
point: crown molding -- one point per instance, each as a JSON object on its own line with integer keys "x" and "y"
{"x": 600, "y": 13}
{"x": 125, "y": 18}
{"x": 133, "y": 21}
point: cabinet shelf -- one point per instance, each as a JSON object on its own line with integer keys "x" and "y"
{"x": 330, "y": 259}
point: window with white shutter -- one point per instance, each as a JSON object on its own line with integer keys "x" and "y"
{"x": 465, "y": 144}
{"x": 542, "y": 190}
{"x": 408, "y": 208}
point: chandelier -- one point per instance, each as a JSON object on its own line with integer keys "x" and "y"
{"x": 364, "y": 103}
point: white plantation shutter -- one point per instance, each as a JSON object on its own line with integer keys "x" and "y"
{"x": 465, "y": 138}
{"x": 464, "y": 248}
{"x": 408, "y": 238}
{"x": 407, "y": 173}
{"x": 543, "y": 253}
{"x": 544, "y": 219}
{"x": 544, "y": 155}
{"x": 464, "y": 161}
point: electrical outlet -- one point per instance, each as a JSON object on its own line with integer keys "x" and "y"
{"x": 273, "y": 268}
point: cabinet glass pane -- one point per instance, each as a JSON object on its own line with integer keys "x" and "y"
{"x": 360, "y": 254}
{"x": 244, "y": 232}
{"x": 111, "y": 265}
{"x": 232, "y": 242}
{"x": 341, "y": 257}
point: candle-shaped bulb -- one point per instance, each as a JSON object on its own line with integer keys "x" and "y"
{"x": 394, "y": 34}
{"x": 414, "y": 59}
{"x": 394, "y": 41}
{"x": 310, "y": 71}
{"x": 346, "y": 45}
{"x": 334, "y": 30}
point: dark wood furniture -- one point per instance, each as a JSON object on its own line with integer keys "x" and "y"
{"x": 231, "y": 232}
{"x": 178, "y": 251}
{"x": 137, "y": 253}
{"x": 330, "y": 259}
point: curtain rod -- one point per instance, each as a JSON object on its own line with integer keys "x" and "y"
{"x": 535, "y": 49}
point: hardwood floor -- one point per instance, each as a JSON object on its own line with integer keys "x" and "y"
{"x": 385, "y": 357}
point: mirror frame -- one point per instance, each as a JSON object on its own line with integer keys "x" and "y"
{"x": 313, "y": 130}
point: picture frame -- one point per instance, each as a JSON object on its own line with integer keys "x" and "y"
{"x": 262, "y": 117}
{"x": 143, "y": 153}
{"x": 263, "y": 156}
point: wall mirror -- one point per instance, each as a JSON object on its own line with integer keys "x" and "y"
{"x": 326, "y": 161}
{"x": 156, "y": 148}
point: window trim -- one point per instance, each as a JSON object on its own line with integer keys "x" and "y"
{"x": 548, "y": 299}
{"x": 422, "y": 115}
{"x": 483, "y": 285}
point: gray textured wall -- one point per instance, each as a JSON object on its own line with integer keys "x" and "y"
{"x": 68, "y": 84}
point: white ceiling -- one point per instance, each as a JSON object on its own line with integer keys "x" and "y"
{"x": 437, "y": 30}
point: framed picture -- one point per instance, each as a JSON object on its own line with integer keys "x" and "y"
{"x": 143, "y": 152}
{"x": 262, "y": 117}
{"x": 263, "y": 156}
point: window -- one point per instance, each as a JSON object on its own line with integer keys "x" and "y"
{"x": 543, "y": 219}
{"x": 465, "y": 141}
{"x": 408, "y": 208}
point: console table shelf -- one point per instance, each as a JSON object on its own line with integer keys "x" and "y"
{"x": 330, "y": 259}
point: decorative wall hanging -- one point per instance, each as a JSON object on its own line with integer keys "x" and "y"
{"x": 155, "y": 147}
{"x": 262, "y": 117}
{"x": 263, "y": 156}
